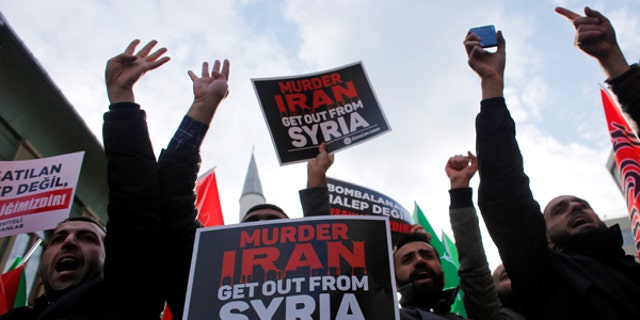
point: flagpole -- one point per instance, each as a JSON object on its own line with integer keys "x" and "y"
{"x": 31, "y": 251}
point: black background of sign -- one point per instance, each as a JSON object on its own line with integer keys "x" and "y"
{"x": 376, "y": 303}
{"x": 287, "y": 153}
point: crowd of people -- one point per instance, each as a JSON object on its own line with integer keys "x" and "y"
{"x": 560, "y": 262}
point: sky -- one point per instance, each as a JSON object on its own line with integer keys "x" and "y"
{"x": 413, "y": 54}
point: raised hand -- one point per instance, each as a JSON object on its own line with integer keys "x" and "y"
{"x": 317, "y": 168}
{"x": 460, "y": 169}
{"x": 209, "y": 90}
{"x": 488, "y": 65}
{"x": 596, "y": 37}
{"x": 594, "y": 33}
{"x": 125, "y": 69}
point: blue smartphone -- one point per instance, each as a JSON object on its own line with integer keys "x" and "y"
{"x": 487, "y": 35}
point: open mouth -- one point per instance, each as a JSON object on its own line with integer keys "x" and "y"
{"x": 423, "y": 275}
{"x": 67, "y": 264}
{"x": 579, "y": 222}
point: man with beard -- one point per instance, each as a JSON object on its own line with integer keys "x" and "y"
{"x": 563, "y": 264}
{"x": 420, "y": 280}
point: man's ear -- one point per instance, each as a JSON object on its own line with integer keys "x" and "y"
{"x": 550, "y": 243}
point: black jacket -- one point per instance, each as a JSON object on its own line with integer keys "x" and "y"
{"x": 594, "y": 282}
{"x": 415, "y": 308}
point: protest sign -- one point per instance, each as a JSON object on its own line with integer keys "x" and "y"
{"x": 321, "y": 268}
{"x": 37, "y": 194}
{"x": 350, "y": 199}
{"x": 336, "y": 106}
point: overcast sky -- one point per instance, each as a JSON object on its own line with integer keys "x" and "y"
{"x": 413, "y": 54}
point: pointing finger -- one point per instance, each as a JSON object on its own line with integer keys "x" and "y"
{"x": 567, "y": 13}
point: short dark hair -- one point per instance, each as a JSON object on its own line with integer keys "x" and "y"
{"x": 85, "y": 219}
{"x": 414, "y": 237}
{"x": 265, "y": 206}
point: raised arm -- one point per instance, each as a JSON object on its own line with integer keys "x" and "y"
{"x": 134, "y": 193}
{"x": 179, "y": 165}
{"x": 480, "y": 297}
{"x": 315, "y": 198}
{"x": 511, "y": 214}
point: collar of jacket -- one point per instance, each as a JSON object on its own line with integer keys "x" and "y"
{"x": 603, "y": 243}
{"x": 442, "y": 303}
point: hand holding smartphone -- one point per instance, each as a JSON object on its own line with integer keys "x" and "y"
{"x": 487, "y": 35}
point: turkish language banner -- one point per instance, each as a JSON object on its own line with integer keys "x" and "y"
{"x": 307, "y": 268}
{"x": 37, "y": 194}
{"x": 336, "y": 106}
{"x": 350, "y": 199}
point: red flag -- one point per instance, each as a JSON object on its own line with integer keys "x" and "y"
{"x": 208, "y": 200}
{"x": 166, "y": 314}
{"x": 626, "y": 148}
{"x": 9, "y": 286}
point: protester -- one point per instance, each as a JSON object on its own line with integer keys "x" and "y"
{"x": 92, "y": 297}
{"x": 170, "y": 184}
{"x": 485, "y": 296}
{"x": 420, "y": 280}
{"x": 63, "y": 269}
{"x": 71, "y": 267}
{"x": 178, "y": 169}
{"x": 580, "y": 271}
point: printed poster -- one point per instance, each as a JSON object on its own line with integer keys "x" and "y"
{"x": 37, "y": 194}
{"x": 307, "y": 268}
{"x": 336, "y": 106}
{"x": 349, "y": 199}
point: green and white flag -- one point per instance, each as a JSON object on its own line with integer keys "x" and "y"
{"x": 448, "y": 257}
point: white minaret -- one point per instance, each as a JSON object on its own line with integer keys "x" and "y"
{"x": 252, "y": 190}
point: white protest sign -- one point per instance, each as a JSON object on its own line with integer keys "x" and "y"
{"x": 37, "y": 194}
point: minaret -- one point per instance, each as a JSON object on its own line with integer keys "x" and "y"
{"x": 252, "y": 190}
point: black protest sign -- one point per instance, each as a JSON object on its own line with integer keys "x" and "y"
{"x": 310, "y": 268}
{"x": 336, "y": 106}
